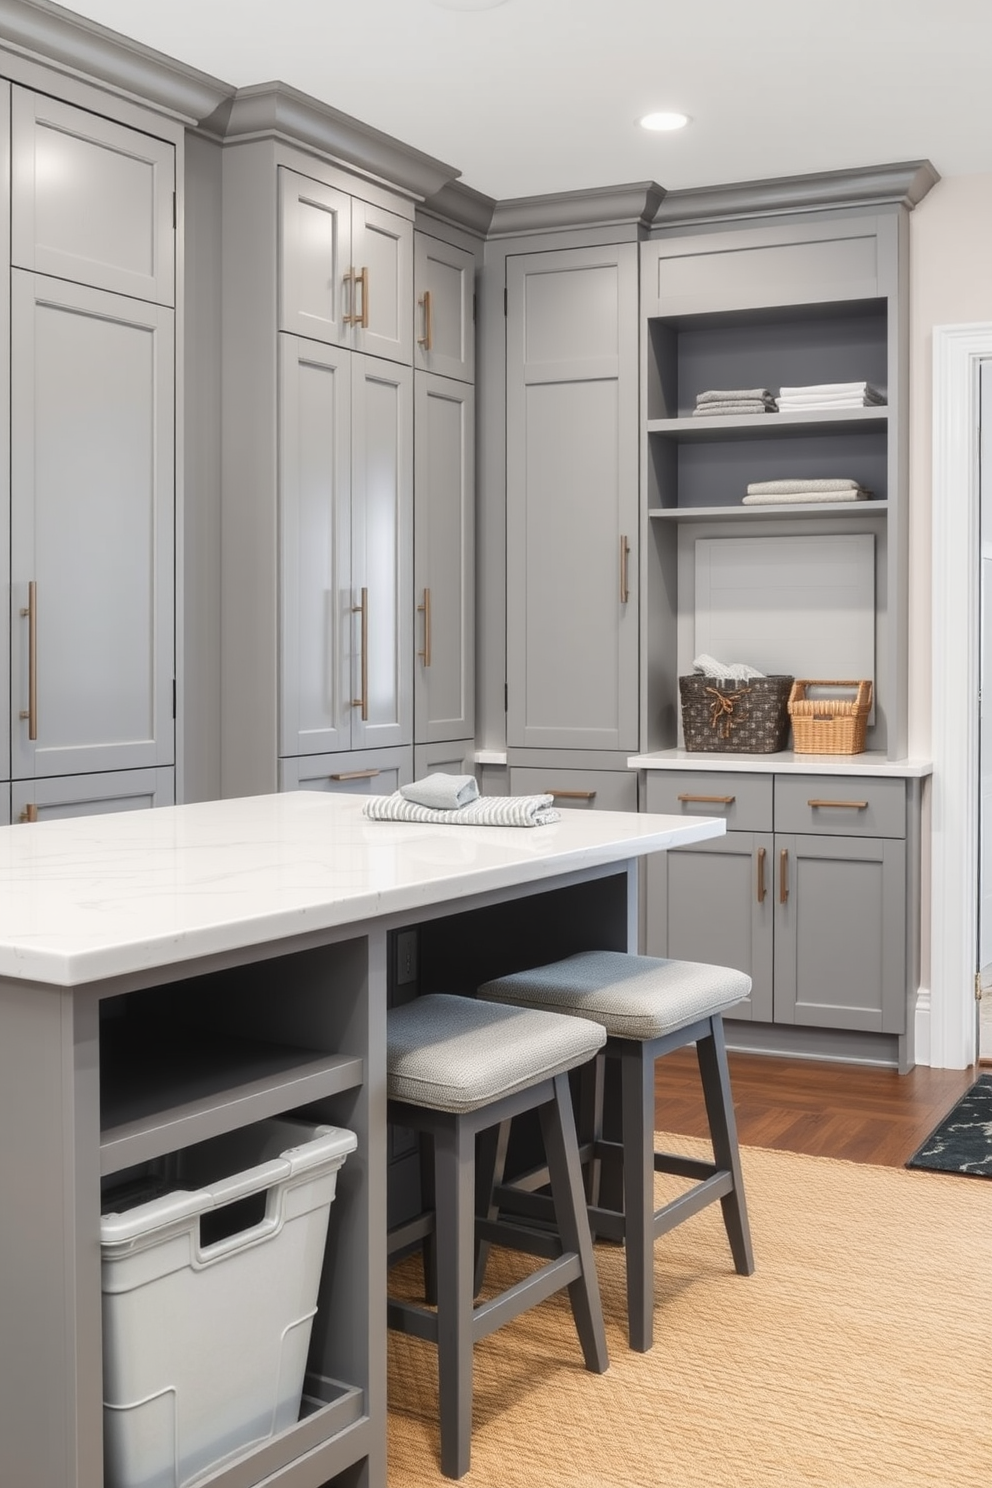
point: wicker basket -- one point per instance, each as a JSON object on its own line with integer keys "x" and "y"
{"x": 829, "y": 725}
{"x": 749, "y": 717}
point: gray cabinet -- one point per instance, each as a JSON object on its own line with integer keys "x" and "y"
{"x": 92, "y": 795}
{"x": 818, "y": 918}
{"x": 444, "y": 289}
{"x": 576, "y": 788}
{"x": 572, "y": 499}
{"x": 346, "y": 269}
{"x": 375, "y": 772}
{"x": 345, "y": 538}
{"x": 444, "y": 559}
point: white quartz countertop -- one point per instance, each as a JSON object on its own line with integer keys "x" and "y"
{"x": 786, "y": 762}
{"x": 91, "y": 897}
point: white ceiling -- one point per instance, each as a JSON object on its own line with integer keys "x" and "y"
{"x": 537, "y": 96}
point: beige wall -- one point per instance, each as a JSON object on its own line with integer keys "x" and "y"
{"x": 950, "y": 284}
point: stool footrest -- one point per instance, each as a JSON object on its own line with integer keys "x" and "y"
{"x": 413, "y": 1230}
{"x": 687, "y": 1204}
{"x": 684, "y": 1167}
{"x": 545, "y": 1243}
{"x": 541, "y": 1284}
{"x": 409, "y": 1317}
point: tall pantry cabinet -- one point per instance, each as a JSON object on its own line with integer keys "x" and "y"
{"x": 92, "y": 233}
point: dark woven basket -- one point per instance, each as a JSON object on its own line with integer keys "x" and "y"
{"x": 749, "y": 717}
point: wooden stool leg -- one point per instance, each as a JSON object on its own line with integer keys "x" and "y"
{"x": 637, "y": 1102}
{"x": 454, "y": 1186}
{"x": 715, "y": 1075}
{"x": 572, "y": 1220}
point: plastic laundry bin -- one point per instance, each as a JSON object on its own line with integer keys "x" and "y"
{"x": 205, "y": 1340}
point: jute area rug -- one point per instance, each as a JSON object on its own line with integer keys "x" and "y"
{"x": 859, "y": 1355}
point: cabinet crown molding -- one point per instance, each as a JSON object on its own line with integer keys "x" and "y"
{"x": 275, "y": 109}
{"x": 56, "y": 37}
{"x": 903, "y": 184}
{"x": 462, "y": 206}
{"x": 634, "y": 205}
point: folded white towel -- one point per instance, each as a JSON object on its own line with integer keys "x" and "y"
{"x": 783, "y": 498}
{"x": 798, "y": 483}
{"x": 829, "y": 389}
{"x": 484, "y": 811}
{"x": 442, "y": 792}
{"x": 733, "y": 671}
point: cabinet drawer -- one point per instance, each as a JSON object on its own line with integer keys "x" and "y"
{"x": 370, "y": 772}
{"x": 602, "y": 790}
{"x": 847, "y": 806}
{"x": 743, "y": 801}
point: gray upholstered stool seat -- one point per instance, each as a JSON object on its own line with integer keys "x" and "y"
{"x": 457, "y": 1069}
{"x": 648, "y": 1006}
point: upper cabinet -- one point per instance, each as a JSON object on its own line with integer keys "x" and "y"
{"x": 91, "y": 200}
{"x": 572, "y": 499}
{"x": 444, "y": 286}
{"x": 346, "y": 269}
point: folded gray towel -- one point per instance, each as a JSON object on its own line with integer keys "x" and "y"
{"x": 442, "y": 792}
{"x": 750, "y": 406}
{"x": 771, "y": 487}
{"x": 484, "y": 811}
{"x": 733, "y": 395}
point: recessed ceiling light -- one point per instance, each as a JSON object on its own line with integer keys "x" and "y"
{"x": 664, "y": 121}
{"x": 468, "y": 4}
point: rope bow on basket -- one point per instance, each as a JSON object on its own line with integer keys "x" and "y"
{"x": 723, "y": 705}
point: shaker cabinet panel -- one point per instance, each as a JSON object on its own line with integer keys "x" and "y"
{"x": 382, "y": 250}
{"x": 376, "y": 772}
{"x": 572, "y": 500}
{"x": 315, "y": 544}
{"x": 92, "y": 795}
{"x": 91, "y": 200}
{"x": 444, "y": 287}
{"x": 92, "y": 478}
{"x": 444, "y": 559}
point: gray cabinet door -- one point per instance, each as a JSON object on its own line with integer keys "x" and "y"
{"x": 315, "y": 291}
{"x": 382, "y": 554}
{"x": 91, "y": 200}
{"x": 713, "y": 902}
{"x": 315, "y": 593}
{"x": 572, "y": 499}
{"x": 840, "y": 934}
{"x": 92, "y": 795}
{"x": 92, "y": 514}
{"x": 382, "y": 269}
{"x": 444, "y": 288}
{"x": 444, "y": 559}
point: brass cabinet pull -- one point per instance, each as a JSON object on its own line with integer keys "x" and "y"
{"x": 355, "y": 775}
{"x": 710, "y": 800}
{"x": 783, "y": 876}
{"x": 852, "y": 805}
{"x": 624, "y": 569}
{"x": 571, "y": 795}
{"x": 762, "y": 854}
{"x": 363, "y": 318}
{"x": 30, "y": 613}
{"x": 358, "y": 317}
{"x": 363, "y": 610}
{"x": 427, "y": 339}
{"x": 425, "y": 610}
{"x": 351, "y": 318}
{"x": 29, "y": 814}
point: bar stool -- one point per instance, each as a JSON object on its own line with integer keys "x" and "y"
{"x": 455, "y": 1068}
{"x": 648, "y": 1007}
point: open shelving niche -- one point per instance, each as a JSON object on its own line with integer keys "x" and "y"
{"x": 696, "y": 470}
{"x": 187, "y": 1061}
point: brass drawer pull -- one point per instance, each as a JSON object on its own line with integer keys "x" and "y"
{"x": 425, "y": 610}
{"x": 427, "y": 339}
{"x": 711, "y": 800}
{"x": 30, "y": 613}
{"x": 355, "y": 775}
{"x": 783, "y": 876}
{"x": 571, "y": 795}
{"x": 29, "y": 814}
{"x": 762, "y": 854}
{"x": 852, "y": 805}
{"x": 363, "y": 701}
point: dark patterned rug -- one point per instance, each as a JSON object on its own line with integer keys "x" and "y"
{"x": 962, "y": 1142}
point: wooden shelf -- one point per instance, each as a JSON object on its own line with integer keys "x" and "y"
{"x": 860, "y": 509}
{"x": 720, "y": 427}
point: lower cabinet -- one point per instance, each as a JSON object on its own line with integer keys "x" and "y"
{"x": 817, "y": 918}
{"x": 577, "y": 789}
{"x": 370, "y": 772}
{"x": 91, "y": 795}
{"x": 457, "y": 758}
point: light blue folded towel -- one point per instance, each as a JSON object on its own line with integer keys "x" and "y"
{"x": 442, "y": 792}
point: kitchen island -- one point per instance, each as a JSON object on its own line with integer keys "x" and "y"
{"x": 168, "y": 976}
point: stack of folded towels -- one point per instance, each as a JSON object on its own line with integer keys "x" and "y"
{"x": 816, "y": 396}
{"x": 733, "y": 401}
{"x": 782, "y": 492}
{"x": 454, "y": 800}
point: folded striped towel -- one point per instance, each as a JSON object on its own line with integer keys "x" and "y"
{"x": 443, "y": 792}
{"x": 484, "y": 811}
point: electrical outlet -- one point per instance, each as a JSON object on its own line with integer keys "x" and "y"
{"x": 406, "y": 957}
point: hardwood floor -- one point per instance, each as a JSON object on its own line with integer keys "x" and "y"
{"x": 855, "y": 1112}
